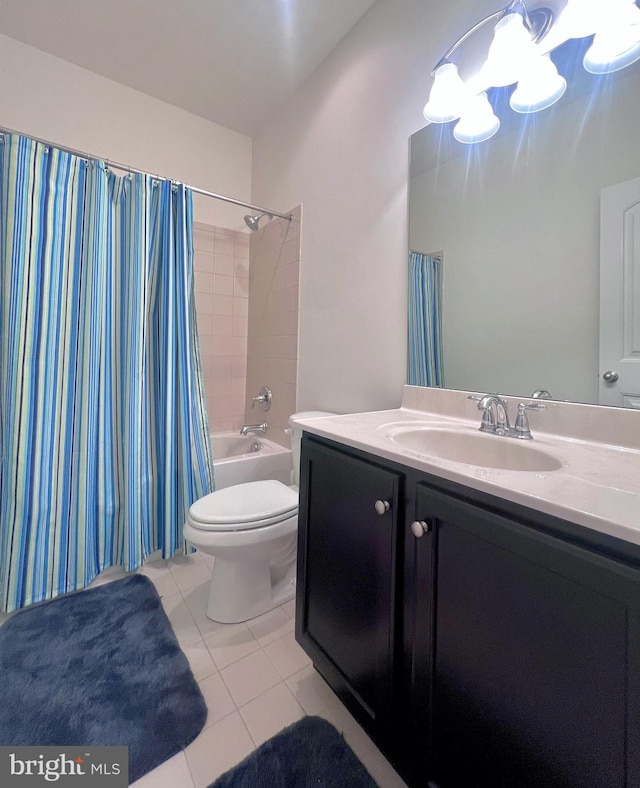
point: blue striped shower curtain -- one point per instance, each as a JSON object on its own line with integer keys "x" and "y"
{"x": 103, "y": 428}
{"x": 425, "y": 321}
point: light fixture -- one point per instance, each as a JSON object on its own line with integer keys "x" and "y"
{"x": 449, "y": 95}
{"x": 539, "y": 87}
{"x": 617, "y": 41}
{"x": 511, "y": 51}
{"x": 478, "y": 123}
{"x": 519, "y": 55}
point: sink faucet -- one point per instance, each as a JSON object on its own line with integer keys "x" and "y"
{"x": 254, "y": 428}
{"x": 498, "y": 424}
{"x": 495, "y": 416}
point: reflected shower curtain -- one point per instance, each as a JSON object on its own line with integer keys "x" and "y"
{"x": 103, "y": 429}
{"x": 425, "y": 321}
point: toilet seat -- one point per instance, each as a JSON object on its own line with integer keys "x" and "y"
{"x": 244, "y": 506}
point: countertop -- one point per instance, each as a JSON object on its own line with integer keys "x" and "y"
{"x": 597, "y": 485}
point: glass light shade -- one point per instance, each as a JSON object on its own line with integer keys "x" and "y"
{"x": 617, "y": 44}
{"x": 510, "y": 51}
{"x": 540, "y": 87}
{"x": 478, "y": 123}
{"x": 449, "y": 95}
{"x": 581, "y": 18}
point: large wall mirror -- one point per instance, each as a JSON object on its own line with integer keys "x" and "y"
{"x": 517, "y": 221}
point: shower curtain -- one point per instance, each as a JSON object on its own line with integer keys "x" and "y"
{"x": 425, "y": 321}
{"x": 104, "y": 441}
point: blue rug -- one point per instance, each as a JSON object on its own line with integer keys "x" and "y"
{"x": 308, "y": 754}
{"x": 99, "y": 667}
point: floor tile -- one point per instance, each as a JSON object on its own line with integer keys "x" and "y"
{"x": 170, "y": 774}
{"x": 190, "y": 576}
{"x": 270, "y": 626}
{"x": 250, "y": 677}
{"x": 270, "y": 713}
{"x": 160, "y": 575}
{"x": 200, "y": 660}
{"x": 197, "y": 599}
{"x": 183, "y": 624}
{"x": 289, "y": 608}
{"x": 217, "y": 697}
{"x": 217, "y": 749}
{"x": 231, "y": 642}
{"x": 310, "y": 690}
{"x": 287, "y": 656}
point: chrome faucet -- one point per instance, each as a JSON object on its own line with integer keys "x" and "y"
{"x": 495, "y": 416}
{"x": 254, "y": 428}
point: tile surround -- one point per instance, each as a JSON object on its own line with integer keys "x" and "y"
{"x": 248, "y": 698}
{"x": 246, "y": 290}
{"x": 221, "y": 262}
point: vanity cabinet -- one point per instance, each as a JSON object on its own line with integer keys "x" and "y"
{"x": 347, "y": 578}
{"x": 500, "y": 645}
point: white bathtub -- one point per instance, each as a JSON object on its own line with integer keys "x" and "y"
{"x": 234, "y": 461}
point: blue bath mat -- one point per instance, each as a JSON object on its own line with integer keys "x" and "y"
{"x": 308, "y": 754}
{"x": 99, "y": 667}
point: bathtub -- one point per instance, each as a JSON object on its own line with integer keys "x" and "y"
{"x": 248, "y": 458}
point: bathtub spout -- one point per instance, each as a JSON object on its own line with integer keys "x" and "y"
{"x": 254, "y": 428}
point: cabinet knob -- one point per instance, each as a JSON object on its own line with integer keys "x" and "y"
{"x": 419, "y": 528}
{"x": 382, "y": 507}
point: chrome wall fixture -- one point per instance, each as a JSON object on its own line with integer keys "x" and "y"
{"x": 519, "y": 55}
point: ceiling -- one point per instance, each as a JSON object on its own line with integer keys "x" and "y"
{"x": 234, "y": 62}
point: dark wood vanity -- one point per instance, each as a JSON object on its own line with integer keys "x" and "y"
{"x": 479, "y": 642}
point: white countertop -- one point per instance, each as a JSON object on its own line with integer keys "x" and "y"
{"x": 597, "y": 485}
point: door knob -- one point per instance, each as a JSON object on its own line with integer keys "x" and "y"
{"x": 610, "y": 376}
{"x": 382, "y": 506}
{"x": 419, "y": 528}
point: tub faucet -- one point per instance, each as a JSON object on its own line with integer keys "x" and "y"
{"x": 254, "y": 428}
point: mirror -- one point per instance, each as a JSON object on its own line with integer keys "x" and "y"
{"x": 516, "y": 220}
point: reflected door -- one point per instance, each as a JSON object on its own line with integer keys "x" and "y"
{"x": 620, "y": 295}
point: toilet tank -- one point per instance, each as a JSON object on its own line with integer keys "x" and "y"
{"x": 296, "y": 436}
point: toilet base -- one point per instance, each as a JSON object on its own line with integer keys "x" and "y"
{"x": 242, "y": 591}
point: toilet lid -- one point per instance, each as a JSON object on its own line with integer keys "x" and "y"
{"x": 249, "y": 505}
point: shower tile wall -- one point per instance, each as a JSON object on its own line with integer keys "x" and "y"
{"x": 272, "y": 351}
{"x": 221, "y": 262}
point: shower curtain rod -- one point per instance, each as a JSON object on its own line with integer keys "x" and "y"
{"x": 128, "y": 168}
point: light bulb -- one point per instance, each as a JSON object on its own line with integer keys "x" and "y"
{"x": 540, "y": 87}
{"x": 449, "y": 95}
{"x": 478, "y": 123}
{"x": 617, "y": 44}
{"x": 581, "y": 18}
{"x": 510, "y": 51}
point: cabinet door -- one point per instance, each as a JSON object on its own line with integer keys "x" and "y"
{"x": 346, "y": 577}
{"x": 536, "y": 657}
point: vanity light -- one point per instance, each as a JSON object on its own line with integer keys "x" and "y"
{"x": 617, "y": 41}
{"x": 478, "y": 123}
{"x": 519, "y": 55}
{"x": 510, "y": 53}
{"x": 539, "y": 87}
{"x": 449, "y": 95}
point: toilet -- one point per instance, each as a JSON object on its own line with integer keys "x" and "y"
{"x": 251, "y": 530}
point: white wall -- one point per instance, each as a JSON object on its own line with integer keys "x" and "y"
{"x": 55, "y": 100}
{"x": 341, "y": 148}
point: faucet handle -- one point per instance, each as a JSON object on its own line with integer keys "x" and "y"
{"x": 263, "y": 399}
{"x": 521, "y": 426}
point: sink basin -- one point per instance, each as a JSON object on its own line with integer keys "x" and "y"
{"x": 476, "y": 448}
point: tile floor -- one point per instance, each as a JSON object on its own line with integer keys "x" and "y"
{"x": 255, "y": 679}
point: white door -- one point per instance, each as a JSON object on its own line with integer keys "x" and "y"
{"x": 620, "y": 295}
